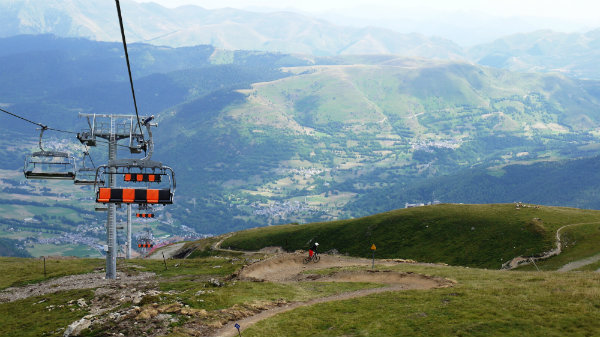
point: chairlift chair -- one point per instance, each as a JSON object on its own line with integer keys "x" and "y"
{"x": 142, "y": 183}
{"x": 145, "y": 241}
{"x": 86, "y": 175}
{"x": 136, "y": 172}
{"x": 49, "y": 164}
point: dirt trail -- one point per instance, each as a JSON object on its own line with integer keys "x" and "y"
{"x": 169, "y": 251}
{"x": 522, "y": 260}
{"x": 290, "y": 268}
{"x": 287, "y": 267}
{"x": 580, "y": 263}
{"x": 229, "y": 330}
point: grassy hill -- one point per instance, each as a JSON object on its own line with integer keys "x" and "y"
{"x": 183, "y": 300}
{"x": 467, "y": 235}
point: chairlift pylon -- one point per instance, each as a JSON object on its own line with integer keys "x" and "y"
{"x": 49, "y": 164}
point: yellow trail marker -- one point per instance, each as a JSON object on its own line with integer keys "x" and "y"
{"x": 373, "y": 249}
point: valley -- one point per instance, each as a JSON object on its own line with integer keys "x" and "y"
{"x": 443, "y": 189}
{"x": 273, "y": 138}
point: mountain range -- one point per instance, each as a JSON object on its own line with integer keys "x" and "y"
{"x": 223, "y": 28}
{"x": 572, "y": 54}
{"x": 260, "y": 137}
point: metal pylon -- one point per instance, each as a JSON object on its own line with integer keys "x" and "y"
{"x": 128, "y": 243}
{"x": 113, "y": 132}
{"x": 111, "y": 223}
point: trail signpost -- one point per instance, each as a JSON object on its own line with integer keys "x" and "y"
{"x": 373, "y": 248}
{"x": 237, "y": 326}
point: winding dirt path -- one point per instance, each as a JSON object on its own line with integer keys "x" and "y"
{"x": 580, "y": 263}
{"x": 168, "y": 250}
{"x": 229, "y": 330}
{"x": 522, "y": 260}
{"x": 287, "y": 268}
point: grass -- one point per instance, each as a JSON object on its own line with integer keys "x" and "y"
{"x": 483, "y": 303}
{"x": 579, "y": 242}
{"x": 21, "y": 271}
{"x": 469, "y": 235}
{"x": 200, "y": 295}
{"x": 63, "y": 250}
{"x": 46, "y": 315}
{"x": 217, "y": 266}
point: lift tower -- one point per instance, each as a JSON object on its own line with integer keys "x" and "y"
{"x": 112, "y": 128}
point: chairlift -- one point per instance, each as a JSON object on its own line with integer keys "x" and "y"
{"x": 159, "y": 180}
{"x": 146, "y": 241}
{"x": 49, "y": 164}
{"x": 86, "y": 175}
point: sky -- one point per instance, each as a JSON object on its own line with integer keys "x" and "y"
{"x": 566, "y": 9}
{"x": 466, "y": 22}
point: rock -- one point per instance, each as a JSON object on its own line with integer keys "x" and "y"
{"x": 81, "y": 303}
{"x": 137, "y": 298}
{"x": 77, "y": 327}
{"x": 215, "y": 282}
{"x": 147, "y": 313}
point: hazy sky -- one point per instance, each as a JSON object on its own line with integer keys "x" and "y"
{"x": 467, "y": 22}
{"x": 566, "y": 9}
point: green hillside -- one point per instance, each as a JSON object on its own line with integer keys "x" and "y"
{"x": 571, "y": 183}
{"x": 259, "y": 138}
{"x": 328, "y": 134}
{"x": 467, "y": 235}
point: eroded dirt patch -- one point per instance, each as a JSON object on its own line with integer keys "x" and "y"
{"x": 71, "y": 282}
{"x": 287, "y": 267}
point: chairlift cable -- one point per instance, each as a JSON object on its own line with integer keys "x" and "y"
{"x": 129, "y": 67}
{"x": 87, "y": 152}
{"x": 45, "y": 127}
{"x": 52, "y": 129}
{"x": 23, "y": 118}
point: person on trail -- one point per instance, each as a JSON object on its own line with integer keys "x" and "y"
{"x": 313, "y": 249}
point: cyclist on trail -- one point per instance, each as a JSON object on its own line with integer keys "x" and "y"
{"x": 313, "y": 249}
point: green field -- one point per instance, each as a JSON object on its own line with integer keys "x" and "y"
{"x": 483, "y": 303}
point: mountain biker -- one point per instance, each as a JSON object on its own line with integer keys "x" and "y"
{"x": 313, "y": 249}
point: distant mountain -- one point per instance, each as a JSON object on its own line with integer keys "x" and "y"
{"x": 222, "y": 28}
{"x": 329, "y": 134}
{"x": 573, "y": 54}
{"x": 263, "y": 138}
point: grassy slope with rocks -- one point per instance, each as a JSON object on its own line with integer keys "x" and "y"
{"x": 182, "y": 301}
{"x": 468, "y": 235}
